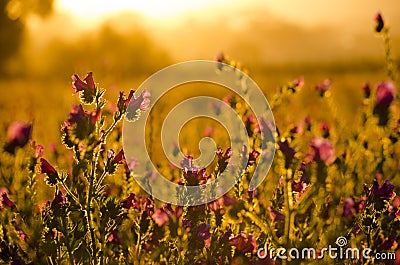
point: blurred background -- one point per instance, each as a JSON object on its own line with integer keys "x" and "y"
{"x": 43, "y": 42}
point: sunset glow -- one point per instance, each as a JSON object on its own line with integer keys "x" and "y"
{"x": 154, "y": 9}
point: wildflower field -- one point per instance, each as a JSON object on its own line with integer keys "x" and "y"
{"x": 69, "y": 194}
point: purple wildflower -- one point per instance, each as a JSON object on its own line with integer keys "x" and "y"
{"x": 322, "y": 150}
{"x": 220, "y": 57}
{"x": 47, "y": 168}
{"x": 298, "y": 82}
{"x": 385, "y": 93}
{"x": 379, "y": 22}
{"x": 119, "y": 158}
{"x": 323, "y": 86}
{"x": 141, "y": 102}
{"x": 324, "y": 129}
{"x": 186, "y": 161}
{"x": 6, "y": 201}
{"x": 221, "y": 202}
{"x": 275, "y": 215}
{"x": 114, "y": 237}
{"x": 39, "y": 149}
{"x": 367, "y": 90}
{"x": 203, "y": 231}
{"x": 348, "y": 207}
{"x": 86, "y": 84}
{"x": 243, "y": 242}
{"x": 160, "y": 216}
{"x": 287, "y": 151}
{"x": 18, "y": 135}
{"x": 130, "y": 202}
{"x": 300, "y": 185}
{"x": 386, "y": 192}
{"x": 59, "y": 200}
{"x": 253, "y": 157}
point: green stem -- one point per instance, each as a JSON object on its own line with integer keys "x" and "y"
{"x": 138, "y": 244}
{"x": 67, "y": 241}
{"x": 69, "y": 192}
{"x": 88, "y": 215}
{"x": 288, "y": 204}
{"x": 100, "y": 180}
{"x": 390, "y": 67}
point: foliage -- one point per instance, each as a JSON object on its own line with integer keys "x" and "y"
{"x": 332, "y": 182}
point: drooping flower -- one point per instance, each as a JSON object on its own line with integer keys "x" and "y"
{"x": 18, "y": 135}
{"x": 385, "y": 93}
{"x": 86, "y": 84}
{"x": 244, "y": 242}
{"x": 119, "y": 158}
{"x": 379, "y": 22}
{"x": 322, "y": 150}
{"x": 49, "y": 170}
{"x": 6, "y": 201}
{"x": 46, "y": 168}
{"x": 138, "y": 104}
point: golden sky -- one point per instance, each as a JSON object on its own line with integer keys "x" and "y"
{"x": 305, "y": 12}
{"x": 251, "y": 31}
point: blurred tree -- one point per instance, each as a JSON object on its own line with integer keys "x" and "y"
{"x": 13, "y": 16}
